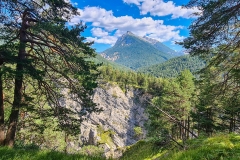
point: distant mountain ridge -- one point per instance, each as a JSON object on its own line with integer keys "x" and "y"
{"x": 135, "y": 52}
{"x": 161, "y": 47}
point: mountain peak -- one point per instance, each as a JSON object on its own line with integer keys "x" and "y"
{"x": 124, "y": 39}
{"x": 134, "y": 52}
{"x": 129, "y": 32}
{"x": 150, "y": 40}
{"x": 160, "y": 46}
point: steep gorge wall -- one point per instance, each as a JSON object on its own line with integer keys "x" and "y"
{"x": 113, "y": 128}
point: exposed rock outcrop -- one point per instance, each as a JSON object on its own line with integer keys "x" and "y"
{"x": 113, "y": 128}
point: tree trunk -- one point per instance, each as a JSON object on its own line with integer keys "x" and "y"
{"x": 66, "y": 143}
{"x": 198, "y": 125}
{"x": 234, "y": 123}
{"x": 18, "y": 95}
{"x": 180, "y": 131}
{"x": 209, "y": 123}
{"x": 13, "y": 119}
{"x": 188, "y": 127}
{"x": 2, "y": 126}
{"x": 231, "y": 123}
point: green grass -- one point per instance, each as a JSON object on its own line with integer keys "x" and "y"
{"x": 142, "y": 150}
{"x": 220, "y": 147}
{"x": 20, "y": 154}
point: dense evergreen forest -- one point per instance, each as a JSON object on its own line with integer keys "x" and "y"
{"x": 126, "y": 79}
{"x": 44, "y": 62}
{"x": 174, "y": 66}
{"x": 177, "y": 108}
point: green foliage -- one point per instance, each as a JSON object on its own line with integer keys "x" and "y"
{"x": 92, "y": 151}
{"x": 22, "y": 154}
{"x": 219, "y": 147}
{"x": 43, "y": 133}
{"x": 205, "y": 114}
{"x": 142, "y": 150}
{"x": 105, "y": 136}
{"x": 174, "y": 66}
{"x": 134, "y": 52}
{"x": 138, "y": 131}
{"x": 215, "y": 108}
{"x": 126, "y": 79}
{"x": 176, "y": 100}
{"x": 42, "y": 59}
{"x": 19, "y": 144}
{"x": 214, "y": 36}
{"x": 209, "y": 32}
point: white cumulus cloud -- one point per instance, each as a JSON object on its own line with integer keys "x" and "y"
{"x": 161, "y": 8}
{"x": 137, "y": 2}
{"x": 105, "y": 39}
{"x": 99, "y": 32}
{"x": 107, "y": 27}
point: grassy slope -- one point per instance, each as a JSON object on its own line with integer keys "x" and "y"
{"x": 20, "y": 154}
{"x": 221, "y": 147}
{"x": 142, "y": 150}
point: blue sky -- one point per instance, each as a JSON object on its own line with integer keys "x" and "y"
{"x": 107, "y": 20}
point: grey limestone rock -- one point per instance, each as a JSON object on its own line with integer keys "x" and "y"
{"x": 122, "y": 111}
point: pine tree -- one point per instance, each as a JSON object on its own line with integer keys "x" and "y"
{"x": 175, "y": 100}
{"x": 214, "y": 35}
{"x": 49, "y": 58}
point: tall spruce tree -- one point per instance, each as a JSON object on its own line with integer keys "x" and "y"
{"x": 42, "y": 57}
{"x": 176, "y": 100}
{"x": 214, "y": 35}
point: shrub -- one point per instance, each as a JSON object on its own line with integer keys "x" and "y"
{"x": 91, "y": 150}
{"x": 138, "y": 132}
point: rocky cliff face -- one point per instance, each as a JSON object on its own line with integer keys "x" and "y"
{"x": 116, "y": 126}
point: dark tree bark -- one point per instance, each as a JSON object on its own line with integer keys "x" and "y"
{"x": 18, "y": 95}
{"x": 2, "y": 126}
{"x": 66, "y": 142}
{"x": 188, "y": 127}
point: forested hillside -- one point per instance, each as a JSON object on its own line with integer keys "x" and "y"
{"x": 126, "y": 79}
{"x": 174, "y": 66}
